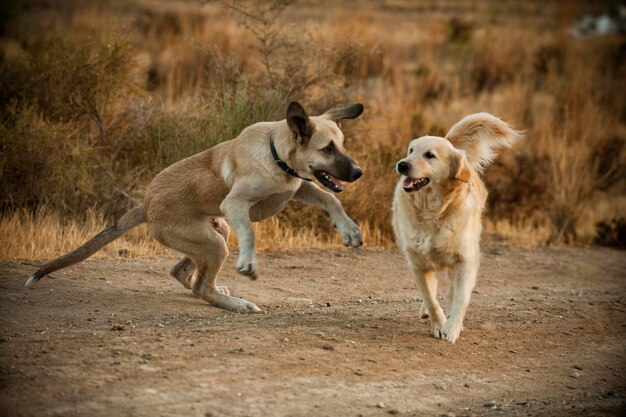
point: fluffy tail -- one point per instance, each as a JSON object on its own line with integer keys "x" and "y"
{"x": 482, "y": 136}
{"x": 129, "y": 220}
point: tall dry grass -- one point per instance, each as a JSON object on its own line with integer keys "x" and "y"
{"x": 98, "y": 97}
{"x": 45, "y": 234}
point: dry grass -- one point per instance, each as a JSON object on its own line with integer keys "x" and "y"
{"x": 43, "y": 235}
{"x": 98, "y": 98}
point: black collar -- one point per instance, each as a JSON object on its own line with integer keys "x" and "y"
{"x": 282, "y": 164}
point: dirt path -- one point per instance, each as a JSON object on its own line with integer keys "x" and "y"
{"x": 341, "y": 337}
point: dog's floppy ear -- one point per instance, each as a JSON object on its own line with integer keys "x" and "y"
{"x": 482, "y": 136}
{"x": 299, "y": 122}
{"x": 349, "y": 112}
{"x": 459, "y": 167}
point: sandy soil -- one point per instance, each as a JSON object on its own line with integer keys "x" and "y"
{"x": 340, "y": 337}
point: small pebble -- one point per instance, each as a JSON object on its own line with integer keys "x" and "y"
{"x": 490, "y": 404}
{"x": 380, "y": 405}
{"x": 574, "y": 374}
{"x": 328, "y": 346}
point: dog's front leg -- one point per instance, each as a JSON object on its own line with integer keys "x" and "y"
{"x": 236, "y": 208}
{"x": 427, "y": 284}
{"x": 463, "y": 281}
{"x": 310, "y": 193}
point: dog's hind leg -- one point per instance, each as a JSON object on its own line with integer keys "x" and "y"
{"x": 205, "y": 244}
{"x": 423, "y": 309}
{"x": 450, "y": 297}
{"x": 210, "y": 262}
{"x": 183, "y": 271}
{"x": 205, "y": 288}
{"x": 463, "y": 281}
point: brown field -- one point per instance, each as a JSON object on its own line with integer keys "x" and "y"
{"x": 99, "y": 96}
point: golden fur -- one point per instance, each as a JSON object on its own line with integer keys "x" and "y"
{"x": 437, "y": 225}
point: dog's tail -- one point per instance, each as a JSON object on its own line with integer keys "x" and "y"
{"x": 482, "y": 136}
{"x": 128, "y": 221}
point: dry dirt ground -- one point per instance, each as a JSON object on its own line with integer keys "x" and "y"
{"x": 340, "y": 336}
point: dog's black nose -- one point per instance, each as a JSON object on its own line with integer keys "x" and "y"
{"x": 357, "y": 172}
{"x": 403, "y": 168}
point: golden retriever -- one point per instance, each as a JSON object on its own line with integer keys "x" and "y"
{"x": 437, "y": 208}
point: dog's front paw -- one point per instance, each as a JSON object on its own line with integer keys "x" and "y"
{"x": 437, "y": 321}
{"x": 349, "y": 232}
{"x": 247, "y": 267}
{"x": 451, "y": 330}
{"x": 436, "y": 329}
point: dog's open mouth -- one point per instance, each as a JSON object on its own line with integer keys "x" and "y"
{"x": 329, "y": 181}
{"x": 414, "y": 184}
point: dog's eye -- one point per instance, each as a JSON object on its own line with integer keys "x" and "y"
{"x": 330, "y": 148}
{"x": 410, "y": 151}
{"x": 429, "y": 155}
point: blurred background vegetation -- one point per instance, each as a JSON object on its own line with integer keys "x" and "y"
{"x": 98, "y": 97}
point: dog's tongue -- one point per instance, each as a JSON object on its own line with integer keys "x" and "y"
{"x": 337, "y": 183}
{"x": 414, "y": 184}
{"x": 410, "y": 182}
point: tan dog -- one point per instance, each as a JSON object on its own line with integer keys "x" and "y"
{"x": 437, "y": 208}
{"x": 247, "y": 179}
